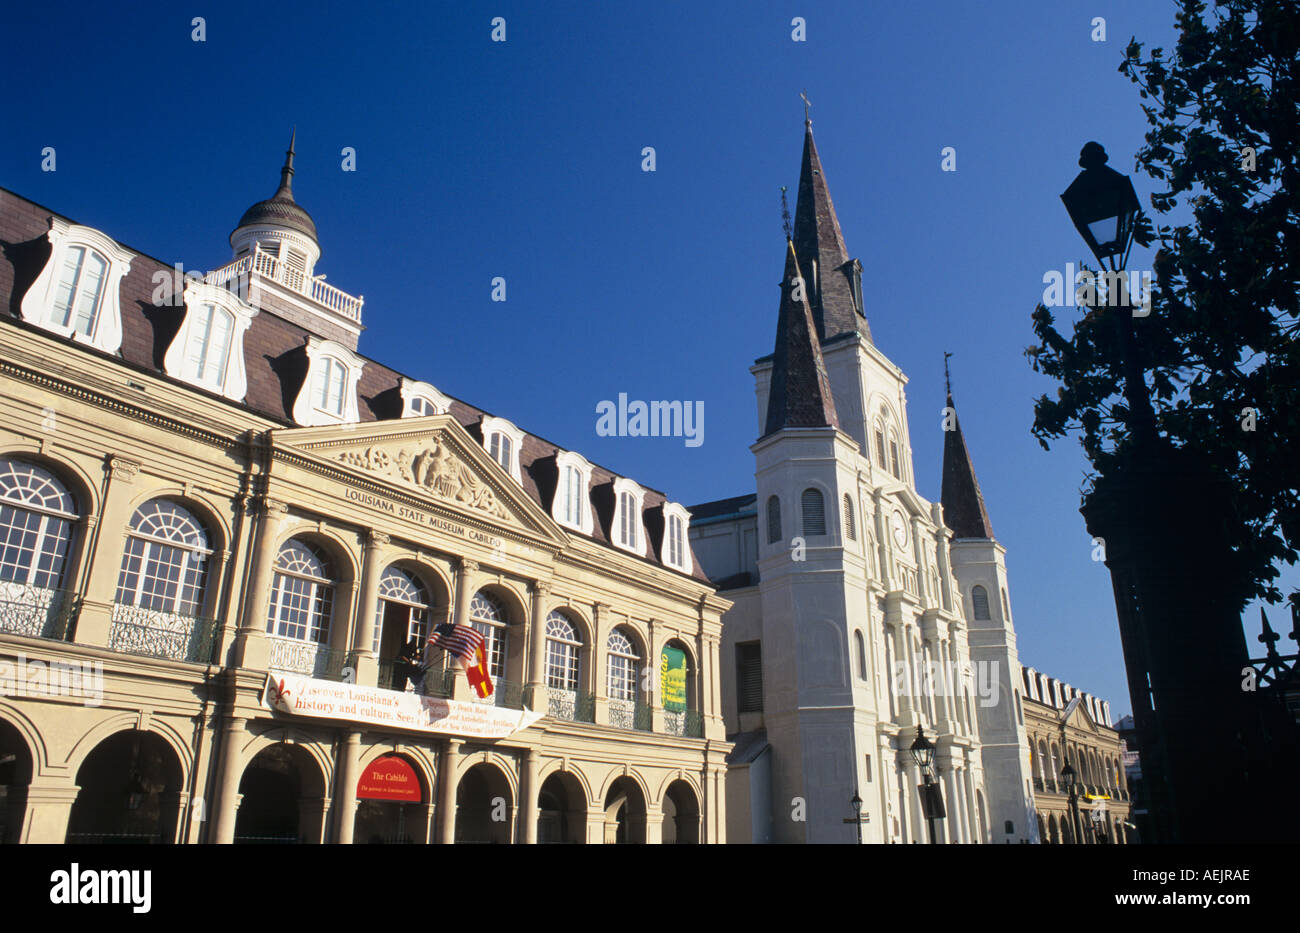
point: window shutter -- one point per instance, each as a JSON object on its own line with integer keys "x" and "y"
{"x": 749, "y": 663}
{"x": 814, "y": 513}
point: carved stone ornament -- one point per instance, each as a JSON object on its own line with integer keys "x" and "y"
{"x": 432, "y": 467}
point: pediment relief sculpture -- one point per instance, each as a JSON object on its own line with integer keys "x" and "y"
{"x": 434, "y": 468}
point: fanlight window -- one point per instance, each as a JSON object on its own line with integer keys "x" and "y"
{"x": 164, "y": 567}
{"x": 624, "y": 667}
{"x": 979, "y": 598}
{"x": 36, "y": 516}
{"x": 814, "y": 513}
{"x": 397, "y": 587}
{"x": 773, "y": 520}
{"x": 302, "y": 593}
{"x": 489, "y": 618}
{"x": 563, "y": 650}
{"x": 79, "y": 290}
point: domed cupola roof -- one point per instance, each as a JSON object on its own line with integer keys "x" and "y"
{"x": 280, "y": 209}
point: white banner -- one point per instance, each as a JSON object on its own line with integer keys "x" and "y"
{"x": 326, "y": 699}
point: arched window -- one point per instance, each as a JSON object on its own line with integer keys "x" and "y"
{"x": 208, "y": 349}
{"x": 302, "y": 593}
{"x": 773, "y": 519}
{"x": 571, "y": 486}
{"x": 629, "y": 520}
{"x": 1020, "y": 709}
{"x": 850, "y": 526}
{"x": 328, "y": 387}
{"x": 489, "y": 618}
{"x": 979, "y": 598}
{"x": 881, "y": 461}
{"x": 563, "y": 650}
{"x": 814, "y": 513}
{"x": 1006, "y": 608}
{"x": 862, "y": 654}
{"x": 501, "y": 449}
{"x": 894, "y": 465}
{"x": 164, "y": 567}
{"x": 624, "y": 667}
{"x": 676, "y": 541}
{"x": 404, "y": 599}
{"x": 36, "y": 515}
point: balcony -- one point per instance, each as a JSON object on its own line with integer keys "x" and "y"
{"x": 688, "y": 723}
{"x": 628, "y": 714}
{"x": 572, "y": 705}
{"x": 156, "y": 634}
{"x": 306, "y": 658}
{"x": 36, "y": 611}
{"x": 438, "y": 682}
{"x": 236, "y": 276}
{"x": 506, "y": 694}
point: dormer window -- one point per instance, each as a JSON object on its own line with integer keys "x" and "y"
{"x": 420, "y": 399}
{"x": 502, "y": 441}
{"x": 628, "y": 497}
{"x": 676, "y": 551}
{"x": 208, "y": 350}
{"x": 76, "y": 294}
{"x": 572, "y": 507}
{"x": 329, "y": 393}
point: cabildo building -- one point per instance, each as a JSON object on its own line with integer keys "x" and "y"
{"x": 220, "y": 523}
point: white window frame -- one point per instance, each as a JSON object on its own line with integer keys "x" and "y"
{"x": 566, "y": 460}
{"x": 626, "y": 487}
{"x": 38, "y": 303}
{"x": 305, "y": 411}
{"x": 491, "y": 425}
{"x": 233, "y": 380}
{"x": 674, "y": 510}
{"x": 414, "y": 392}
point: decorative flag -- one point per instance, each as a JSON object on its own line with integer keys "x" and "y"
{"x": 466, "y": 646}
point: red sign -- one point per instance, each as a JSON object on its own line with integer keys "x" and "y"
{"x": 389, "y": 777}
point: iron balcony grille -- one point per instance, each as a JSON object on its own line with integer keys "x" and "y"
{"x": 37, "y": 611}
{"x": 171, "y": 635}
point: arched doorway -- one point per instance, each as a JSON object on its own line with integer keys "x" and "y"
{"x": 130, "y": 791}
{"x": 625, "y": 812}
{"x": 681, "y": 815}
{"x": 484, "y": 806}
{"x": 15, "y": 775}
{"x": 391, "y": 799}
{"x": 281, "y": 797}
{"x": 562, "y": 810}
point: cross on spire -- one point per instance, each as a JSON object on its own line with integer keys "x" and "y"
{"x": 947, "y": 380}
{"x": 807, "y": 120}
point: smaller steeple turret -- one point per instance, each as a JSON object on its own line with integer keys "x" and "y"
{"x": 800, "y": 395}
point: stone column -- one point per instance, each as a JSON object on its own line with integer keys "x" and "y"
{"x": 227, "y": 809}
{"x": 916, "y": 816}
{"x": 654, "y": 825}
{"x": 528, "y": 791}
{"x": 952, "y": 804}
{"x": 447, "y": 791}
{"x": 251, "y": 647}
{"x": 311, "y": 819}
{"x": 602, "y": 624}
{"x": 424, "y": 830}
{"x": 49, "y": 805}
{"x": 595, "y": 825}
{"x": 345, "y": 791}
{"x": 363, "y": 653}
{"x": 537, "y": 650}
{"x": 972, "y": 811}
{"x": 172, "y": 808}
{"x": 95, "y": 621}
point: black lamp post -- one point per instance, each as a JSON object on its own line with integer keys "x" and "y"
{"x": 856, "y": 803}
{"x": 1072, "y": 788}
{"x": 1162, "y": 514}
{"x": 931, "y": 799}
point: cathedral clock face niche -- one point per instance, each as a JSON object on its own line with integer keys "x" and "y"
{"x": 899, "y": 526}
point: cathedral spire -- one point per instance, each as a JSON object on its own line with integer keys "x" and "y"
{"x": 963, "y": 503}
{"x": 285, "y": 191}
{"x": 800, "y": 393}
{"x": 834, "y": 280}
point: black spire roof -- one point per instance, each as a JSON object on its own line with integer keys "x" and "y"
{"x": 280, "y": 208}
{"x": 800, "y": 393}
{"x": 963, "y": 503}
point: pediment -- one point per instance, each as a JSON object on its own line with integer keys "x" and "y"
{"x": 1076, "y": 714}
{"x": 430, "y": 457}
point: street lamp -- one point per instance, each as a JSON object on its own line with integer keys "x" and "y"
{"x": 1103, "y": 206}
{"x": 856, "y": 802}
{"x": 1072, "y": 787}
{"x": 931, "y": 799}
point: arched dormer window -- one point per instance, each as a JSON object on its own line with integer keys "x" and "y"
{"x": 76, "y": 295}
{"x": 773, "y": 519}
{"x": 329, "y": 393}
{"x": 813, "y": 507}
{"x": 420, "y": 399}
{"x": 628, "y": 499}
{"x": 676, "y": 552}
{"x": 572, "y": 505}
{"x": 208, "y": 350}
{"x": 850, "y": 526}
{"x": 979, "y": 598}
{"x": 502, "y": 441}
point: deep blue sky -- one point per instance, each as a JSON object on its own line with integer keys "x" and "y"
{"x": 523, "y": 160}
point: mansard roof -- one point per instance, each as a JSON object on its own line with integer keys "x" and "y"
{"x": 276, "y": 363}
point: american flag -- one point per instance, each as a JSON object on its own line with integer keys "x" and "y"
{"x": 467, "y": 646}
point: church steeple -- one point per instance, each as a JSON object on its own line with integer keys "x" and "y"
{"x": 963, "y": 503}
{"x": 835, "y": 280}
{"x": 800, "y": 394}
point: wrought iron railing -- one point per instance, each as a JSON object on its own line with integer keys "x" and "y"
{"x": 136, "y": 630}
{"x": 688, "y": 723}
{"x": 308, "y": 658}
{"x": 573, "y": 705}
{"x": 37, "y": 611}
{"x": 628, "y": 714}
{"x": 437, "y": 682}
{"x": 505, "y": 693}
